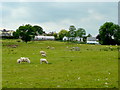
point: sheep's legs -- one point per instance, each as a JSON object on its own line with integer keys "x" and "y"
{"x": 40, "y": 62}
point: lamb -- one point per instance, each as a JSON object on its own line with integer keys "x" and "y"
{"x": 23, "y": 59}
{"x": 44, "y": 55}
{"x": 43, "y": 60}
{"x": 42, "y": 52}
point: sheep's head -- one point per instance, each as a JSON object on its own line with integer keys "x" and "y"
{"x": 18, "y": 61}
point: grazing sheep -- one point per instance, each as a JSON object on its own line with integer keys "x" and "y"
{"x": 23, "y": 59}
{"x": 44, "y": 55}
{"x": 52, "y": 48}
{"x": 42, "y": 52}
{"x": 48, "y": 47}
{"x": 72, "y": 49}
{"x": 43, "y": 60}
{"x": 77, "y": 48}
{"x": 18, "y": 60}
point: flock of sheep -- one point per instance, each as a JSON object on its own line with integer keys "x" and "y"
{"x": 25, "y": 59}
{"x": 43, "y": 54}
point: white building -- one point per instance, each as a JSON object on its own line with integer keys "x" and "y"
{"x": 76, "y": 38}
{"x": 44, "y": 38}
{"x": 92, "y": 40}
{"x": 5, "y": 32}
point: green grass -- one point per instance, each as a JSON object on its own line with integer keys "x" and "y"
{"x": 91, "y": 67}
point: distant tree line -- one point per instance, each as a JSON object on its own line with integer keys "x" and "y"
{"x": 28, "y": 32}
{"x": 109, "y": 33}
{"x": 72, "y": 33}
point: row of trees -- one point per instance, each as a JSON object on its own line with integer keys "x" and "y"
{"x": 72, "y": 33}
{"x": 28, "y": 32}
{"x": 109, "y": 33}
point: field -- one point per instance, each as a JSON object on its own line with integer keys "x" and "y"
{"x": 94, "y": 66}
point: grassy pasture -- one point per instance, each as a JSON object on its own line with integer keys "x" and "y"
{"x": 94, "y": 66}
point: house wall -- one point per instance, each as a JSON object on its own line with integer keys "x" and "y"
{"x": 76, "y": 38}
{"x": 6, "y": 33}
{"x": 44, "y": 38}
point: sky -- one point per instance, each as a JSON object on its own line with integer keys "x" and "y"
{"x": 55, "y": 16}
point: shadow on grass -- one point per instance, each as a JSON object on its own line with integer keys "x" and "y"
{"x": 49, "y": 63}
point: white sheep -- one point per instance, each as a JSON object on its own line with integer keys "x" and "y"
{"x": 48, "y": 47}
{"x": 43, "y": 60}
{"x": 42, "y": 52}
{"x": 23, "y": 59}
{"x": 44, "y": 55}
{"x": 52, "y": 48}
{"x": 18, "y": 60}
{"x": 72, "y": 49}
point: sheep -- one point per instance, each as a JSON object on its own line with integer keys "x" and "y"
{"x": 42, "y": 52}
{"x": 48, "y": 47}
{"x": 44, "y": 55}
{"x": 52, "y": 48}
{"x": 72, "y": 49}
{"x": 23, "y": 59}
{"x": 43, "y": 60}
{"x": 77, "y": 48}
{"x": 18, "y": 60}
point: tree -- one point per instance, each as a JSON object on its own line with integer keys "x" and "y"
{"x": 72, "y": 28}
{"x": 26, "y": 32}
{"x": 55, "y": 35}
{"x": 50, "y": 34}
{"x": 109, "y": 33}
{"x": 89, "y": 35}
{"x": 16, "y": 34}
{"x": 38, "y": 30}
{"x": 117, "y": 34}
{"x": 80, "y": 33}
{"x": 62, "y": 33}
{"x": 72, "y": 32}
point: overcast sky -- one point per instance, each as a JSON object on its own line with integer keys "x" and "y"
{"x": 54, "y": 16}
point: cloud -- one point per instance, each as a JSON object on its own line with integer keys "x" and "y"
{"x": 52, "y": 26}
{"x": 54, "y": 16}
{"x": 59, "y": 0}
{"x": 0, "y": 14}
{"x": 15, "y": 13}
{"x": 93, "y": 16}
{"x": 21, "y": 12}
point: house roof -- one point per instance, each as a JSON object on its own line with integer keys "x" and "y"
{"x": 91, "y": 38}
{"x": 45, "y": 37}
